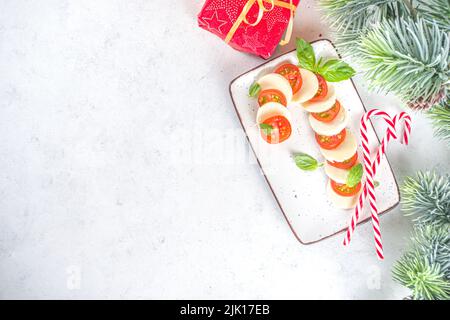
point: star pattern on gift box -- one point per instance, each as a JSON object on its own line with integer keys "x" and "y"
{"x": 231, "y": 8}
{"x": 277, "y": 15}
{"x": 252, "y": 42}
{"x": 214, "y": 5}
{"x": 214, "y": 23}
{"x": 202, "y": 23}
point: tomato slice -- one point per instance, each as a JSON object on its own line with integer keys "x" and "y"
{"x": 347, "y": 164}
{"x": 329, "y": 115}
{"x": 344, "y": 190}
{"x": 331, "y": 142}
{"x": 322, "y": 91}
{"x": 292, "y": 73}
{"x": 281, "y": 129}
{"x": 271, "y": 95}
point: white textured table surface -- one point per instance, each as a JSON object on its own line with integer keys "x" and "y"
{"x": 124, "y": 172}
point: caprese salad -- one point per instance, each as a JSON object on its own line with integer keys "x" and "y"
{"x": 309, "y": 85}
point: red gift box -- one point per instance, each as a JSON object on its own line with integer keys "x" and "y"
{"x": 255, "y": 26}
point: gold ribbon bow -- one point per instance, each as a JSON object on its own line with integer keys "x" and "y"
{"x": 262, "y": 8}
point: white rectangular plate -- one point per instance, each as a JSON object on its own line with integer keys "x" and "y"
{"x": 302, "y": 195}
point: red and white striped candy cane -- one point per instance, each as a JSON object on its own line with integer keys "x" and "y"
{"x": 403, "y": 116}
{"x": 370, "y": 168}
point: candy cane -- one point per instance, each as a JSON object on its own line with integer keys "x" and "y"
{"x": 370, "y": 180}
{"x": 370, "y": 168}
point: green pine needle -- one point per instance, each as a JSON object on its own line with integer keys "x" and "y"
{"x": 406, "y": 57}
{"x": 433, "y": 243}
{"x": 357, "y": 14}
{"x": 350, "y": 19}
{"x": 426, "y": 280}
{"x": 401, "y": 45}
{"x": 437, "y": 11}
{"x": 425, "y": 269}
{"x": 440, "y": 117}
{"x": 427, "y": 197}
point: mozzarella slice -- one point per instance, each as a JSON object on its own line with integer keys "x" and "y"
{"x": 309, "y": 88}
{"x": 339, "y": 201}
{"x": 278, "y": 82}
{"x": 323, "y": 105}
{"x": 344, "y": 151}
{"x": 330, "y": 128}
{"x": 336, "y": 174}
{"x": 271, "y": 109}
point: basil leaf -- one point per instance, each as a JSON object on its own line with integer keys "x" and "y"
{"x": 317, "y": 65}
{"x": 305, "y": 55}
{"x": 335, "y": 70}
{"x": 354, "y": 175}
{"x": 306, "y": 162}
{"x": 266, "y": 128}
{"x": 254, "y": 89}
